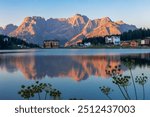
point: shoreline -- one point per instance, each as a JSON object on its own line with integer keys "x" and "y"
{"x": 76, "y": 48}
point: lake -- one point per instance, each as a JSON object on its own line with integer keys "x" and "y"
{"x": 76, "y": 73}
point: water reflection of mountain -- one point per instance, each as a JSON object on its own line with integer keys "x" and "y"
{"x": 76, "y": 67}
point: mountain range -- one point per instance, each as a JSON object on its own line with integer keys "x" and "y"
{"x": 8, "y": 29}
{"x": 68, "y": 30}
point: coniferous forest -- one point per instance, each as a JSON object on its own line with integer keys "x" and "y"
{"x": 14, "y": 43}
{"x": 136, "y": 34}
{"x": 126, "y": 36}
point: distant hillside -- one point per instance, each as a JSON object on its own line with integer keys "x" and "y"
{"x": 14, "y": 43}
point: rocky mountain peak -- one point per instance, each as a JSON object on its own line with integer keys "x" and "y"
{"x": 1, "y": 30}
{"x": 68, "y": 30}
{"x": 8, "y": 29}
{"x": 10, "y": 26}
{"x": 27, "y": 19}
{"x": 78, "y": 15}
{"x": 34, "y": 18}
{"x": 120, "y": 22}
{"x": 78, "y": 19}
{"x": 105, "y": 19}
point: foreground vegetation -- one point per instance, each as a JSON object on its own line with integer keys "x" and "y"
{"x": 28, "y": 92}
{"x": 41, "y": 91}
{"x": 124, "y": 81}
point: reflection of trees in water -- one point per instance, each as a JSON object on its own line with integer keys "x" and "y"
{"x": 7, "y": 64}
{"x": 140, "y": 60}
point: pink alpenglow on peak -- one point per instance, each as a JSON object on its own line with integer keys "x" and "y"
{"x": 68, "y": 31}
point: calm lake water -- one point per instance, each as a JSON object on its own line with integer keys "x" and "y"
{"x": 76, "y": 73}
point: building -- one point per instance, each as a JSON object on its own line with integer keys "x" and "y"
{"x": 108, "y": 40}
{"x": 87, "y": 44}
{"x": 130, "y": 43}
{"x": 125, "y": 44}
{"x": 134, "y": 44}
{"x": 142, "y": 42}
{"x": 51, "y": 44}
{"x": 145, "y": 42}
{"x": 116, "y": 40}
{"x": 112, "y": 40}
{"x": 5, "y": 39}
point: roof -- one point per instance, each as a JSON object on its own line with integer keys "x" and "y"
{"x": 112, "y": 36}
{"x": 51, "y": 40}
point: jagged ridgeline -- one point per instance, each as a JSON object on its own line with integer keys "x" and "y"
{"x": 68, "y": 31}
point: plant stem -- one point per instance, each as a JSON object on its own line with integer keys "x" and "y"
{"x": 126, "y": 92}
{"x": 133, "y": 84}
{"x": 46, "y": 95}
{"x": 109, "y": 97}
{"x": 39, "y": 96}
{"x": 143, "y": 92}
{"x": 122, "y": 92}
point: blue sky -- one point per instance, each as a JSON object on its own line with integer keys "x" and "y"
{"x": 130, "y": 11}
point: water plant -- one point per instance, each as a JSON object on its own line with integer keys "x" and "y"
{"x": 124, "y": 81}
{"x": 142, "y": 80}
{"x": 118, "y": 79}
{"x": 26, "y": 92}
{"x": 106, "y": 91}
{"x": 55, "y": 94}
{"x": 130, "y": 64}
{"x": 47, "y": 90}
{"x": 38, "y": 88}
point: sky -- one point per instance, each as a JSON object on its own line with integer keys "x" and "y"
{"x": 135, "y": 12}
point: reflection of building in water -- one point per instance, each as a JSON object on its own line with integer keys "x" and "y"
{"x": 76, "y": 67}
